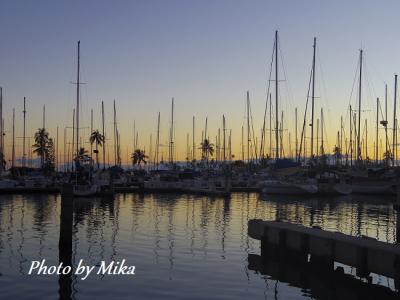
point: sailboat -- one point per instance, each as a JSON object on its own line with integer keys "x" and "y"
{"x": 82, "y": 187}
{"x": 283, "y": 180}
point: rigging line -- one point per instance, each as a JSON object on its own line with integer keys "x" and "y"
{"x": 305, "y": 117}
{"x": 262, "y": 147}
{"x": 287, "y": 85}
{"x": 252, "y": 127}
{"x": 328, "y": 146}
{"x": 370, "y": 90}
{"x": 352, "y": 90}
{"x": 325, "y": 97}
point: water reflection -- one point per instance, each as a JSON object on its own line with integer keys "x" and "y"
{"x": 183, "y": 246}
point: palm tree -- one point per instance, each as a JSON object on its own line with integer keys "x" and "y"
{"x": 337, "y": 154}
{"x": 207, "y": 149}
{"x": 82, "y": 153}
{"x": 98, "y": 138}
{"x": 40, "y": 146}
{"x": 387, "y": 156}
{"x": 138, "y": 156}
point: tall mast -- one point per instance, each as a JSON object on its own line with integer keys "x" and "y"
{"x": 248, "y": 127}
{"x": 219, "y": 145}
{"x": 322, "y": 132}
{"x": 134, "y": 135}
{"x": 386, "y": 118}
{"x": 91, "y": 131}
{"x": 158, "y": 139}
{"x": 115, "y": 136}
{"x": 13, "y": 141}
{"x": 104, "y": 137}
{"x": 24, "y": 135}
{"x": 77, "y": 99}
{"x": 205, "y": 129}
{"x": 359, "y": 109}
{"x": 317, "y": 138}
{"x": 193, "y": 140}
{"x": 73, "y": 139}
{"x": 224, "y": 136}
{"x": 270, "y": 125}
{"x": 64, "y": 148}
{"x": 377, "y": 133}
{"x": 394, "y": 121}
{"x": 242, "y": 143}
{"x": 1, "y": 123}
{"x": 351, "y": 138}
{"x": 341, "y": 138}
{"x": 312, "y": 99}
{"x": 276, "y": 97}
{"x": 366, "y": 139}
{"x": 56, "y": 158}
{"x": 171, "y": 134}
{"x": 44, "y": 116}
{"x": 296, "y": 141}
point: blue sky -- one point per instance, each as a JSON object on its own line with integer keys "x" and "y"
{"x": 206, "y": 54}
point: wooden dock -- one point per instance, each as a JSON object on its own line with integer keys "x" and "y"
{"x": 294, "y": 241}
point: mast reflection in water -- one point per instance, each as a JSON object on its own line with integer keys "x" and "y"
{"x": 183, "y": 247}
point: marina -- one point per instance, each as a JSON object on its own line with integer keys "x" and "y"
{"x": 199, "y": 150}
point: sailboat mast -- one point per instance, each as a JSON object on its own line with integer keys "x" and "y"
{"x": 91, "y": 131}
{"x": 366, "y": 139}
{"x": 77, "y": 99}
{"x": 13, "y": 141}
{"x": 44, "y": 116}
{"x": 312, "y": 99}
{"x": 351, "y": 138}
{"x": 248, "y": 127}
{"x": 1, "y": 123}
{"x": 158, "y": 139}
{"x": 205, "y": 129}
{"x": 296, "y": 140}
{"x": 193, "y": 140}
{"x": 276, "y": 96}
{"x": 341, "y": 138}
{"x": 115, "y": 135}
{"x": 322, "y": 132}
{"x": 171, "y": 134}
{"x": 359, "y": 109}
{"x": 56, "y": 158}
{"x": 24, "y": 135}
{"x": 134, "y": 136}
{"x": 242, "y": 143}
{"x": 224, "y": 136}
{"x": 73, "y": 140}
{"x": 270, "y": 125}
{"x": 377, "y": 133}
{"x": 394, "y": 121}
{"x": 104, "y": 137}
{"x": 386, "y": 118}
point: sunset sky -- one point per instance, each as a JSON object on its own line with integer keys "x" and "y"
{"x": 205, "y": 54}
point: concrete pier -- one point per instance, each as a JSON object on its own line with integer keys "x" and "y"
{"x": 324, "y": 248}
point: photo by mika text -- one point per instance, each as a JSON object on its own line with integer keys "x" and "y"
{"x": 82, "y": 270}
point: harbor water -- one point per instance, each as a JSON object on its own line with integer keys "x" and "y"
{"x": 182, "y": 246}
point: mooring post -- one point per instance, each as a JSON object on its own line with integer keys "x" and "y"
{"x": 65, "y": 241}
{"x": 397, "y": 203}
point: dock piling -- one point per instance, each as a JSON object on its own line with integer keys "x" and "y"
{"x": 65, "y": 241}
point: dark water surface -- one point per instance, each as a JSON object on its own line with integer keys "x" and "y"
{"x": 183, "y": 247}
